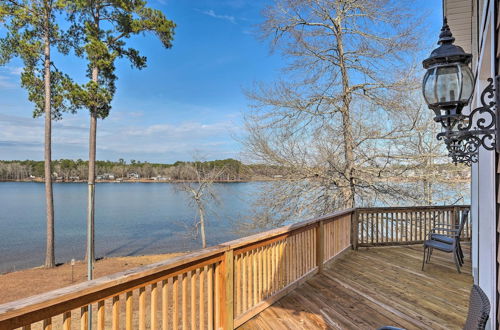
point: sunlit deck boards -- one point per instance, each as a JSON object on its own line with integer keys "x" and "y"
{"x": 374, "y": 287}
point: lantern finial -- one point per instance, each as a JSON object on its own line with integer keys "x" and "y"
{"x": 445, "y": 37}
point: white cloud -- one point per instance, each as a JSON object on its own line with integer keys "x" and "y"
{"x": 212, "y": 13}
{"x": 15, "y": 70}
{"x": 7, "y": 82}
{"x": 22, "y": 138}
{"x": 9, "y": 77}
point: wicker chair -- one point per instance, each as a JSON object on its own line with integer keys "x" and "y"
{"x": 479, "y": 311}
{"x": 449, "y": 241}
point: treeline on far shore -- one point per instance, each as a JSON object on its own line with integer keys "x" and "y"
{"x": 68, "y": 170}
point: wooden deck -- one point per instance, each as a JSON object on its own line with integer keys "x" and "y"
{"x": 369, "y": 288}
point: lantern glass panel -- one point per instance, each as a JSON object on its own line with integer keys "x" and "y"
{"x": 429, "y": 82}
{"x": 448, "y": 84}
{"x": 467, "y": 83}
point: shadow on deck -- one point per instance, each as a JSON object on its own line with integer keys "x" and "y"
{"x": 369, "y": 288}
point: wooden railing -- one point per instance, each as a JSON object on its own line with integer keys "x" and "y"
{"x": 223, "y": 286}
{"x": 218, "y": 287}
{"x": 404, "y": 225}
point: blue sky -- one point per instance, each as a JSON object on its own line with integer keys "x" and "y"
{"x": 189, "y": 100}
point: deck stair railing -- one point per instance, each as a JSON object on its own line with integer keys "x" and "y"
{"x": 221, "y": 287}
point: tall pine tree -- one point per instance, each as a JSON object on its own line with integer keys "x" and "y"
{"x": 32, "y": 34}
{"x": 106, "y": 26}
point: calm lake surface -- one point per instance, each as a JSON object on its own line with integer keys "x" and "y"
{"x": 130, "y": 219}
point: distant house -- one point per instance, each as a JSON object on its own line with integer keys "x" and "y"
{"x": 161, "y": 178}
{"x": 133, "y": 176}
{"x": 74, "y": 178}
{"x": 106, "y": 176}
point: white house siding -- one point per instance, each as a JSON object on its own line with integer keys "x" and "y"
{"x": 459, "y": 14}
{"x": 474, "y": 27}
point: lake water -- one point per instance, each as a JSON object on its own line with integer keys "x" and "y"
{"x": 131, "y": 219}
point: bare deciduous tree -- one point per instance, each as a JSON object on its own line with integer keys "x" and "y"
{"x": 200, "y": 192}
{"x": 334, "y": 118}
{"x": 423, "y": 157}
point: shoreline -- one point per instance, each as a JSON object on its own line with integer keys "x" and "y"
{"x": 19, "y": 284}
{"x": 40, "y": 180}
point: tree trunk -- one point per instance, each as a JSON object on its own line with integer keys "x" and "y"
{"x": 91, "y": 195}
{"x": 427, "y": 191}
{"x": 348, "y": 192}
{"x": 49, "y": 198}
{"x": 91, "y": 177}
{"x": 202, "y": 227}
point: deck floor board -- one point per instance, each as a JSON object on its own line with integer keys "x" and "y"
{"x": 373, "y": 287}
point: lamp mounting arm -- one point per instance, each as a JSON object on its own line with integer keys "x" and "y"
{"x": 479, "y": 128}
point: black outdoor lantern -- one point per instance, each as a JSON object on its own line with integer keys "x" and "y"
{"x": 449, "y": 80}
{"x": 447, "y": 87}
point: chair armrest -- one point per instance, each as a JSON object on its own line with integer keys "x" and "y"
{"x": 444, "y": 229}
{"x": 444, "y": 224}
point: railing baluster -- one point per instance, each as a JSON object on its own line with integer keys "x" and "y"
{"x": 320, "y": 248}
{"x": 84, "y": 318}
{"x": 100, "y": 315}
{"x": 255, "y": 277}
{"x": 116, "y": 313}
{"x": 154, "y": 306}
{"x": 142, "y": 308}
{"x": 202, "y": 297}
{"x": 47, "y": 324}
{"x": 164, "y": 304}
{"x": 129, "y": 312}
{"x": 264, "y": 272}
{"x": 184, "y": 311}
{"x": 245, "y": 285}
{"x": 210, "y": 296}
{"x": 193, "y": 299}
{"x": 67, "y": 320}
{"x": 260, "y": 270}
{"x": 175, "y": 299}
{"x": 217, "y": 276}
{"x": 299, "y": 255}
{"x": 293, "y": 257}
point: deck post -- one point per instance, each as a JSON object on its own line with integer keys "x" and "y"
{"x": 320, "y": 245}
{"x": 354, "y": 230}
{"x": 226, "y": 279}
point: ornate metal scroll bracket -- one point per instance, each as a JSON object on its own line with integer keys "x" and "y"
{"x": 475, "y": 130}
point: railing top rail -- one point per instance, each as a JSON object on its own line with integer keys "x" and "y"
{"x": 410, "y": 208}
{"x": 253, "y": 239}
{"x": 77, "y": 295}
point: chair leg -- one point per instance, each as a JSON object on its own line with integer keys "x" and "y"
{"x": 423, "y": 261}
{"x": 429, "y": 254}
{"x": 461, "y": 251}
{"x": 455, "y": 258}
{"x": 459, "y": 258}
